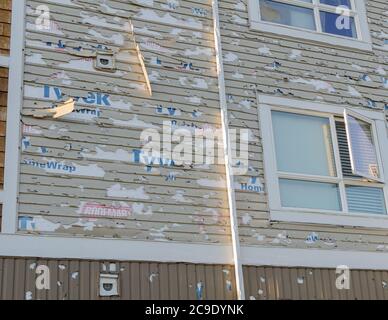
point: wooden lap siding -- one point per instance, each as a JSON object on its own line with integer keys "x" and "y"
{"x": 5, "y": 26}
{"x": 178, "y": 203}
{"x": 294, "y": 68}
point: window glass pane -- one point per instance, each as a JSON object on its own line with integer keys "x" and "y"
{"x": 303, "y": 144}
{"x": 310, "y": 195}
{"x": 290, "y": 15}
{"x": 366, "y": 200}
{"x": 363, "y": 150}
{"x": 337, "y": 2}
{"x": 336, "y": 24}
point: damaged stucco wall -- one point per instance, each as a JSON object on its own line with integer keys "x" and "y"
{"x": 88, "y": 161}
{"x": 292, "y": 68}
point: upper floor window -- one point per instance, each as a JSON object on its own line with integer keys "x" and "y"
{"x": 337, "y": 22}
{"x": 325, "y": 161}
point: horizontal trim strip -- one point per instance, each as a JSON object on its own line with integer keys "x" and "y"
{"x": 314, "y": 258}
{"x": 373, "y": 221}
{"x": 112, "y": 249}
{"x": 124, "y": 250}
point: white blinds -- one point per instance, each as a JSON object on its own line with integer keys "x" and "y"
{"x": 362, "y": 148}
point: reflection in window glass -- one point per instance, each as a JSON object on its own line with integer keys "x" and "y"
{"x": 303, "y": 144}
{"x": 310, "y": 195}
{"x": 337, "y": 2}
{"x": 363, "y": 149}
{"x": 290, "y": 15}
{"x": 336, "y": 24}
{"x": 366, "y": 200}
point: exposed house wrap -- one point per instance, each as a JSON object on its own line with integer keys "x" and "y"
{"x": 82, "y": 174}
{"x": 90, "y": 159}
{"x": 283, "y": 67}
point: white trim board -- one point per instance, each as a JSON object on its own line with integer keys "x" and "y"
{"x": 228, "y": 155}
{"x": 317, "y": 106}
{"x": 13, "y": 133}
{"x": 124, "y": 250}
{"x": 314, "y": 258}
{"x": 112, "y": 249}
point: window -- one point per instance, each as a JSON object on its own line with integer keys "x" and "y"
{"x": 324, "y": 160}
{"x": 337, "y": 22}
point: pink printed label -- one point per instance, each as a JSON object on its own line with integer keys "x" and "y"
{"x": 97, "y": 210}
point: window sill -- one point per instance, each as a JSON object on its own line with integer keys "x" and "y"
{"x": 336, "y": 219}
{"x": 314, "y": 36}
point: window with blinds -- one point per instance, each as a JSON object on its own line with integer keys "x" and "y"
{"x": 360, "y": 164}
{"x": 309, "y": 175}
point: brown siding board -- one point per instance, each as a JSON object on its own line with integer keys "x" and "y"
{"x": 94, "y": 280}
{"x": 371, "y": 279}
{"x": 64, "y": 290}
{"x": 384, "y": 276}
{"x": 144, "y": 281}
{"x": 286, "y": 284}
{"x": 228, "y": 273}
{"x": 20, "y": 267}
{"x": 183, "y": 281}
{"x": 54, "y": 278}
{"x": 155, "y": 284}
{"x": 30, "y": 278}
{"x": 84, "y": 275}
{"x": 220, "y": 283}
{"x": 8, "y": 279}
{"x": 1, "y": 277}
{"x": 135, "y": 281}
{"x": 42, "y": 294}
{"x": 173, "y": 281}
{"x": 210, "y": 282}
{"x": 320, "y": 294}
{"x": 125, "y": 280}
{"x": 200, "y": 271}
{"x": 73, "y": 286}
{"x": 191, "y": 277}
{"x": 163, "y": 276}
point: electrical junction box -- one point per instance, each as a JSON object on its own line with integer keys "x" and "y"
{"x": 105, "y": 61}
{"x": 109, "y": 285}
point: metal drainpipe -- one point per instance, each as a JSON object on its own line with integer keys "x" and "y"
{"x": 228, "y": 157}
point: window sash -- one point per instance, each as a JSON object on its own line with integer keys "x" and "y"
{"x": 318, "y": 7}
{"x": 359, "y": 117}
{"x": 340, "y": 180}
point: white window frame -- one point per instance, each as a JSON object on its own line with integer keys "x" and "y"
{"x": 363, "y": 41}
{"x": 313, "y": 216}
{"x": 358, "y": 116}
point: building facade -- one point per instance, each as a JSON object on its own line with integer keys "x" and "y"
{"x": 88, "y": 214}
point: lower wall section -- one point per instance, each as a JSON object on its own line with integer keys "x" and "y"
{"x": 79, "y": 280}
{"x": 74, "y": 279}
{"x": 263, "y": 283}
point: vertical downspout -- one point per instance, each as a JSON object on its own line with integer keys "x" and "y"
{"x": 14, "y": 106}
{"x": 228, "y": 155}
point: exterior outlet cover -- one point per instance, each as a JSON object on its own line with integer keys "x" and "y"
{"x": 105, "y": 61}
{"x": 109, "y": 286}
